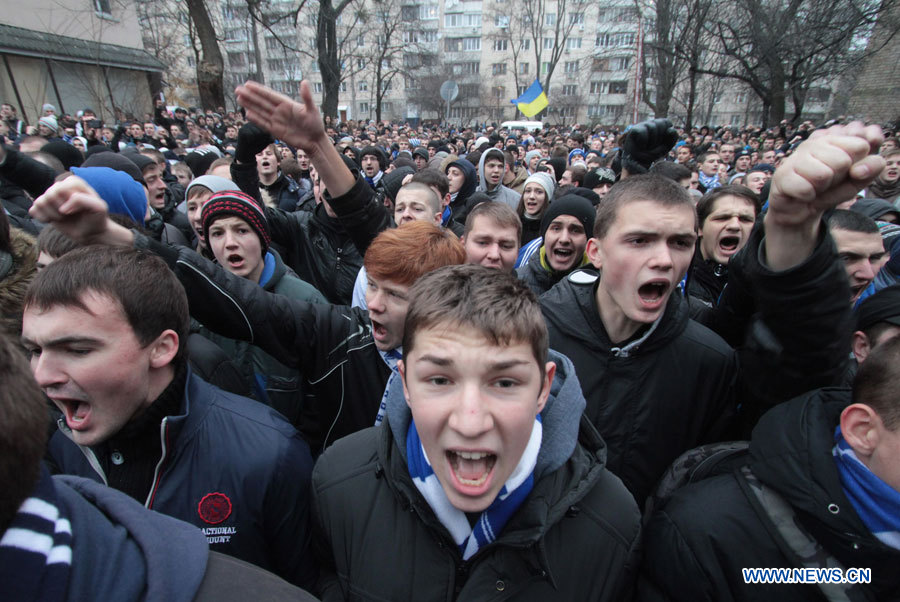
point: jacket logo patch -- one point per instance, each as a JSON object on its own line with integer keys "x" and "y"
{"x": 214, "y": 508}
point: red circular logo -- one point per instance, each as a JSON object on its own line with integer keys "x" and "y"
{"x": 214, "y": 508}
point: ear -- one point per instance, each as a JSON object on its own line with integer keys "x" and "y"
{"x": 164, "y": 349}
{"x": 860, "y": 346}
{"x": 401, "y": 368}
{"x": 594, "y": 253}
{"x": 446, "y": 200}
{"x": 549, "y": 373}
{"x": 860, "y": 427}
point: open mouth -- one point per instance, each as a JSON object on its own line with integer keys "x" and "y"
{"x": 857, "y": 290}
{"x": 471, "y": 469}
{"x": 379, "y": 332}
{"x": 729, "y": 244}
{"x": 76, "y": 411}
{"x": 234, "y": 260}
{"x": 653, "y": 292}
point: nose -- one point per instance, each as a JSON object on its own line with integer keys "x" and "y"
{"x": 376, "y": 301}
{"x": 734, "y": 223}
{"x": 470, "y": 416}
{"x": 662, "y": 257}
{"x": 230, "y": 241}
{"x": 47, "y": 372}
{"x": 866, "y": 271}
{"x": 493, "y": 251}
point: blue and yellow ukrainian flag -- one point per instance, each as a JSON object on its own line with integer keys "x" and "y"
{"x": 532, "y": 101}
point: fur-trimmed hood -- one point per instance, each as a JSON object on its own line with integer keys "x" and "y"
{"x": 16, "y": 271}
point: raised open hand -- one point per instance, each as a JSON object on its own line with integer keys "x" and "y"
{"x": 298, "y": 124}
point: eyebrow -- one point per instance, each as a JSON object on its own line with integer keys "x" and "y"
{"x": 493, "y": 367}
{"x": 63, "y": 341}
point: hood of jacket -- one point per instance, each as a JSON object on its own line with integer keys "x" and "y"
{"x": 470, "y": 183}
{"x": 560, "y": 417}
{"x": 571, "y": 306}
{"x": 17, "y": 269}
{"x": 145, "y": 551}
{"x": 482, "y": 182}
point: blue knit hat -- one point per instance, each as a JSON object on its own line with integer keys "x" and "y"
{"x": 122, "y": 193}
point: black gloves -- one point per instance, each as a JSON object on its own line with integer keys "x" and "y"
{"x": 645, "y": 143}
{"x": 251, "y": 140}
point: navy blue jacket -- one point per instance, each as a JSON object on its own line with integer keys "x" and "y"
{"x": 234, "y": 468}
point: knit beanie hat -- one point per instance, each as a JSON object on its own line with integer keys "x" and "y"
{"x": 377, "y": 153}
{"x": 114, "y": 161}
{"x": 559, "y": 166}
{"x": 49, "y": 121}
{"x": 394, "y": 180}
{"x": 123, "y": 195}
{"x": 238, "y": 204}
{"x": 545, "y": 180}
{"x": 213, "y": 183}
{"x": 570, "y": 204}
{"x": 597, "y": 176}
{"x": 67, "y": 154}
{"x": 421, "y": 152}
{"x": 530, "y": 155}
{"x": 48, "y": 107}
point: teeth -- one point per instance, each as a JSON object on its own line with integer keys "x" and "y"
{"x": 472, "y": 483}
{"x": 471, "y": 455}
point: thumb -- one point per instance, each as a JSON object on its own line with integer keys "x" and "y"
{"x": 306, "y": 96}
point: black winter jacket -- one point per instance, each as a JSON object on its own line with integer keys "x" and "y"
{"x": 332, "y": 345}
{"x": 679, "y": 385}
{"x": 697, "y": 543}
{"x": 651, "y": 400}
{"x": 574, "y": 538}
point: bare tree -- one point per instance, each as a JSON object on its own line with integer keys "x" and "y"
{"x": 210, "y": 66}
{"x": 780, "y": 49}
{"x": 676, "y": 47}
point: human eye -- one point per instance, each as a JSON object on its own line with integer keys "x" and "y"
{"x": 438, "y": 381}
{"x": 505, "y": 383}
{"x": 636, "y": 241}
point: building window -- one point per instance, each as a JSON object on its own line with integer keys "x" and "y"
{"x": 545, "y": 67}
{"x": 102, "y": 7}
{"x": 501, "y": 45}
{"x": 618, "y": 87}
{"x": 317, "y": 87}
{"x": 550, "y": 19}
{"x": 620, "y": 63}
{"x": 573, "y": 43}
{"x": 473, "y": 20}
{"x": 569, "y": 90}
{"x": 501, "y": 21}
{"x": 428, "y": 12}
{"x": 471, "y": 44}
{"x": 576, "y": 19}
{"x": 453, "y": 20}
{"x": 523, "y": 68}
{"x": 235, "y": 59}
{"x": 364, "y": 108}
{"x": 498, "y": 69}
{"x": 525, "y": 45}
{"x": 363, "y": 86}
{"x": 548, "y": 43}
{"x": 571, "y": 67}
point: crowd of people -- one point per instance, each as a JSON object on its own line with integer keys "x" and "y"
{"x": 274, "y": 356}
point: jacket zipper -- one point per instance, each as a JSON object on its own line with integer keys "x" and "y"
{"x": 157, "y": 474}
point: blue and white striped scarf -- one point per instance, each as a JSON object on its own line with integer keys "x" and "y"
{"x": 876, "y": 502}
{"x": 495, "y": 516}
{"x": 390, "y": 358}
{"x": 36, "y": 549}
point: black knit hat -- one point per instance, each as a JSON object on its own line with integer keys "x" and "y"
{"x": 68, "y": 155}
{"x": 883, "y": 306}
{"x": 377, "y": 153}
{"x": 570, "y": 204}
{"x": 238, "y": 204}
{"x": 420, "y": 152}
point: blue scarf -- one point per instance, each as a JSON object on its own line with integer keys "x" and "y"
{"x": 373, "y": 181}
{"x": 876, "y": 502}
{"x": 708, "y": 182}
{"x": 390, "y": 358}
{"x": 494, "y": 518}
{"x": 36, "y": 549}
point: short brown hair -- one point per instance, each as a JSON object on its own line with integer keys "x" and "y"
{"x": 496, "y": 304}
{"x": 500, "y": 213}
{"x": 122, "y": 274}
{"x": 875, "y": 383}
{"x": 219, "y": 163}
{"x": 706, "y": 204}
{"x": 645, "y": 187}
{"x": 23, "y": 430}
{"x": 54, "y": 243}
{"x": 403, "y": 254}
